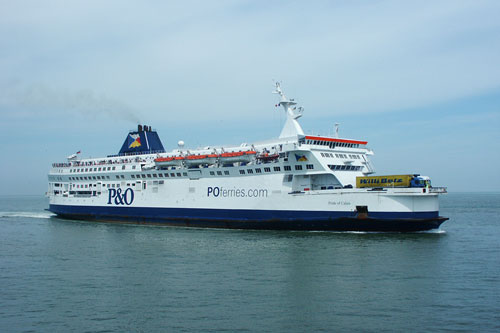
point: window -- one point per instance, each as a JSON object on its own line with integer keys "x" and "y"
{"x": 99, "y": 169}
{"x": 155, "y": 175}
{"x": 109, "y": 168}
{"x": 212, "y": 173}
{"x": 114, "y": 168}
{"x": 298, "y": 167}
{"x": 149, "y": 175}
{"x": 226, "y": 173}
{"x": 143, "y": 176}
{"x": 160, "y": 175}
{"x": 242, "y": 172}
{"x": 249, "y": 171}
{"x": 309, "y": 166}
{"x": 267, "y": 169}
{"x": 323, "y": 155}
{"x": 117, "y": 177}
{"x": 122, "y": 176}
{"x": 172, "y": 174}
{"x": 277, "y": 169}
{"x": 219, "y": 173}
{"x": 179, "y": 174}
{"x": 287, "y": 168}
{"x": 123, "y": 167}
{"x": 184, "y": 174}
{"x": 258, "y": 170}
{"x": 133, "y": 176}
{"x": 166, "y": 175}
{"x": 133, "y": 167}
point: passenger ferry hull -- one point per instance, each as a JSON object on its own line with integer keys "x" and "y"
{"x": 261, "y": 202}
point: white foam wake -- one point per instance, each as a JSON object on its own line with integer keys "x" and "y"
{"x": 32, "y": 215}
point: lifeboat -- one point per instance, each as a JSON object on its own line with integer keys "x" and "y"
{"x": 169, "y": 161}
{"x": 193, "y": 160}
{"x": 267, "y": 157}
{"x": 237, "y": 156}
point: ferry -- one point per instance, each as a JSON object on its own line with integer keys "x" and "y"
{"x": 293, "y": 182}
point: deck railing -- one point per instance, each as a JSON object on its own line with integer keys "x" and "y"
{"x": 438, "y": 190}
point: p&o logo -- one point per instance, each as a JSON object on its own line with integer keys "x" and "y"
{"x": 119, "y": 197}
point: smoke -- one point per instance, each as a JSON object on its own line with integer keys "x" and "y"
{"x": 85, "y": 102}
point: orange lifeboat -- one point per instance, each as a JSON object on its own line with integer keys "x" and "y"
{"x": 237, "y": 156}
{"x": 169, "y": 161}
{"x": 192, "y": 160}
{"x": 267, "y": 157}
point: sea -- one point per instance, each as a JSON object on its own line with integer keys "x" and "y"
{"x": 75, "y": 276}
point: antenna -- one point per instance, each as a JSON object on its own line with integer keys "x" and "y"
{"x": 337, "y": 130}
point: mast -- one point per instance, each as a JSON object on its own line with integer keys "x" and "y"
{"x": 292, "y": 127}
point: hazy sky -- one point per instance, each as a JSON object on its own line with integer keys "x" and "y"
{"x": 419, "y": 80}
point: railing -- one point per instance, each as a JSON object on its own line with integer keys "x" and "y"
{"x": 438, "y": 190}
{"x": 139, "y": 153}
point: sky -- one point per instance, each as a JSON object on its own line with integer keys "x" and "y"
{"x": 418, "y": 80}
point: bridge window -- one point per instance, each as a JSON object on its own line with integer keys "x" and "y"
{"x": 298, "y": 167}
{"x": 287, "y": 168}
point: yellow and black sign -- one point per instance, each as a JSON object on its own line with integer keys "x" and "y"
{"x": 384, "y": 181}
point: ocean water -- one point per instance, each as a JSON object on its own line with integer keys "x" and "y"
{"x": 73, "y": 276}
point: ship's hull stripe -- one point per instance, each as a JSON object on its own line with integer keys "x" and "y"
{"x": 256, "y": 219}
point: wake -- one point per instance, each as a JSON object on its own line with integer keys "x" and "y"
{"x": 32, "y": 215}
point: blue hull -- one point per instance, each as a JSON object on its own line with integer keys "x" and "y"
{"x": 256, "y": 219}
